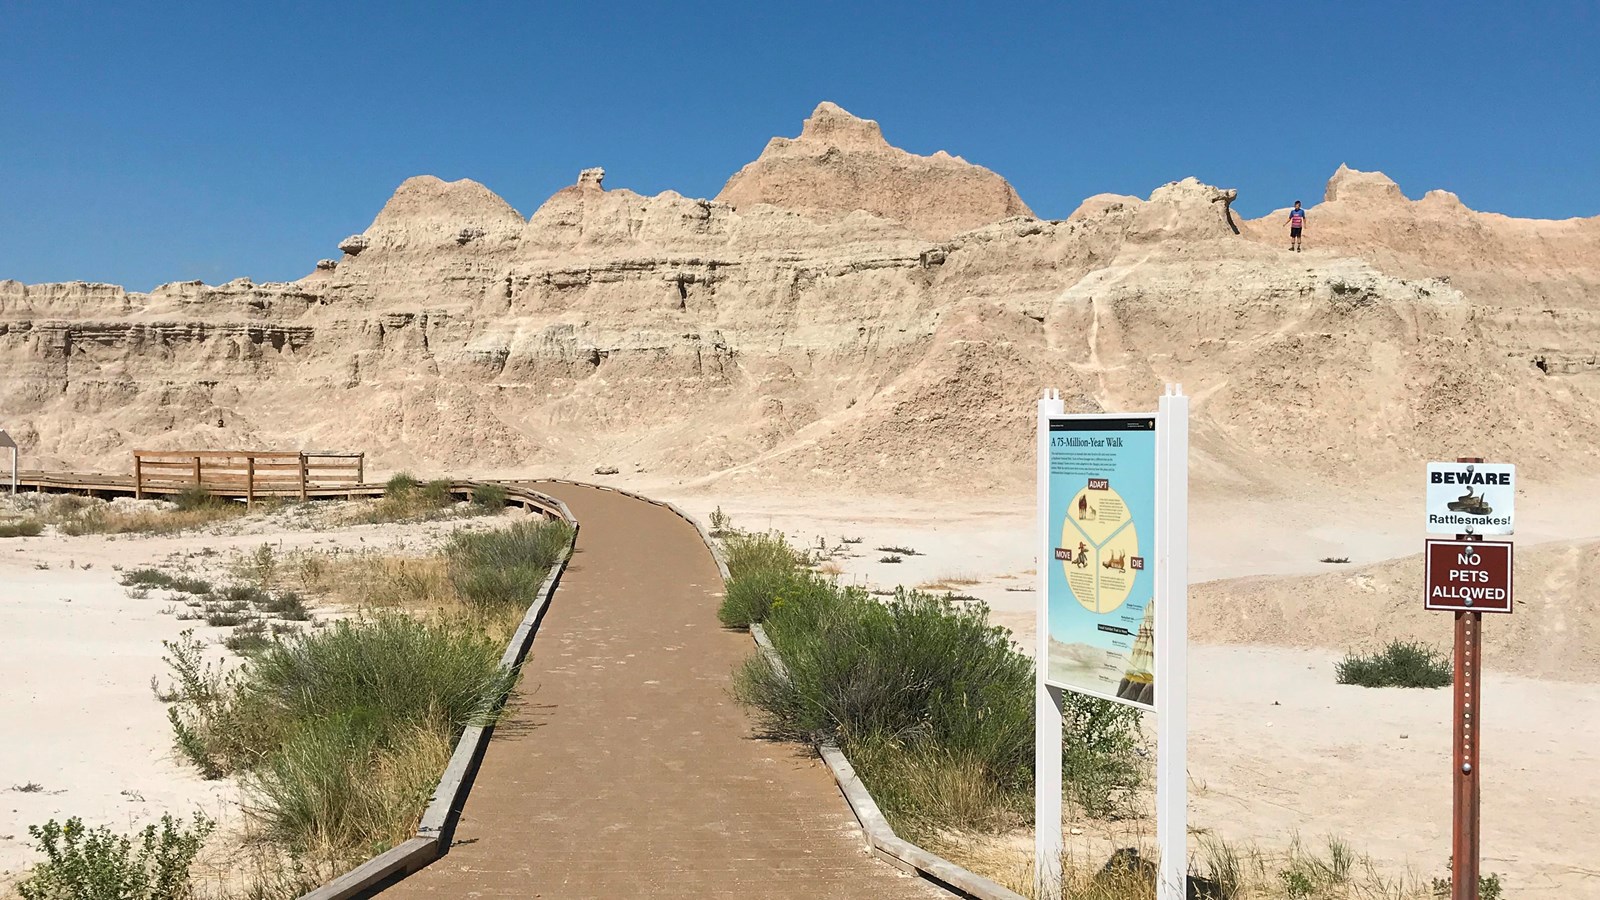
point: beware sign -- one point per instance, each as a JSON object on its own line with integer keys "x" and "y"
{"x": 1471, "y": 498}
{"x": 6, "y": 441}
{"x": 1468, "y": 576}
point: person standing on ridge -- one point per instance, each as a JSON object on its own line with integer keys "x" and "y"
{"x": 1297, "y": 225}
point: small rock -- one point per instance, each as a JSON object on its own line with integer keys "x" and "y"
{"x": 327, "y": 265}
{"x": 606, "y": 470}
{"x": 1405, "y": 737}
{"x": 354, "y": 244}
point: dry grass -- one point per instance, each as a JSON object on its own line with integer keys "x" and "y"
{"x": 949, "y": 582}
{"x": 74, "y": 515}
{"x": 829, "y": 567}
{"x": 1330, "y": 871}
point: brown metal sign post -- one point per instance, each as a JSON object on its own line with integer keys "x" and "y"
{"x": 1464, "y": 833}
{"x": 1468, "y": 577}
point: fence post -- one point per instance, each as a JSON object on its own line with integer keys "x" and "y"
{"x": 249, "y": 482}
{"x": 138, "y": 476}
{"x": 361, "y": 468}
{"x": 302, "y": 476}
{"x": 197, "y": 471}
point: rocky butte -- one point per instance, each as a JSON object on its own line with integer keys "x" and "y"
{"x": 843, "y": 315}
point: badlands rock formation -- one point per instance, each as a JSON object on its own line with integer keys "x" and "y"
{"x": 840, "y": 163}
{"x": 846, "y": 316}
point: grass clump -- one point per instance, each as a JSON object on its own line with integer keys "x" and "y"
{"x": 97, "y": 864}
{"x": 491, "y": 497}
{"x": 407, "y": 499}
{"x": 339, "y": 734}
{"x": 249, "y": 638}
{"x": 22, "y": 528}
{"x": 195, "y": 498}
{"x": 155, "y": 578}
{"x": 76, "y": 516}
{"x": 930, "y": 701}
{"x": 400, "y": 484}
{"x": 501, "y": 571}
{"x": 1400, "y": 664}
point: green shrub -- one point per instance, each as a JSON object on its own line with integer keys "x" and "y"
{"x": 196, "y": 497}
{"x": 23, "y": 528}
{"x": 286, "y": 605}
{"x": 249, "y": 638}
{"x": 437, "y": 493}
{"x": 222, "y": 617}
{"x": 489, "y": 496}
{"x": 155, "y": 578}
{"x": 95, "y": 864}
{"x": 404, "y": 498}
{"x": 749, "y": 599}
{"x": 931, "y": 701}
{"x": 242, "y": 596}
{"x": 400, "y": 484}
{"x": 496, "y": 571}
{"x": 334, "y": 731}
{"x": 1400, "y": 664}
{"x": 747, "y": 553}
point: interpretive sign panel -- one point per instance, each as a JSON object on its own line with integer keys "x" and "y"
{"x": 1468, "y": 576}
{"x": 1101, "y": 587}
{"x": 1471, "y": 498}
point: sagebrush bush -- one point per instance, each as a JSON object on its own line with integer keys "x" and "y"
{"x": 1400, "y": 664}
{"x": 97, "y": 864}
{"x": 748, "y": 553}
{"x": 748, "y": 599}
{"x": 932, "y": 702}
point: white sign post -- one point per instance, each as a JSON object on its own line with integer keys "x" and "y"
{"x": 6, "y": 441}
{"x": 1113, "y": 603}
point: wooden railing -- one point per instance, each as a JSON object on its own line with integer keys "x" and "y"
{"x": 252, "y": 473}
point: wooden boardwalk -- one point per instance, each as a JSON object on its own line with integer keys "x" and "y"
{"x": 625, "y": 768}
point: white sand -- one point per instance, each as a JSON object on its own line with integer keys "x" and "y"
{"x": 76, "y": 657}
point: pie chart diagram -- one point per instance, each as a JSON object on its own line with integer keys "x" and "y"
{"x": 1103, "y": 546}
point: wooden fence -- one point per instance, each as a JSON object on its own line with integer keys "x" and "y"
{"x": 247, "y": 473}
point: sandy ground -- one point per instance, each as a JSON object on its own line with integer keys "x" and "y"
{"x": 77, "y": 655}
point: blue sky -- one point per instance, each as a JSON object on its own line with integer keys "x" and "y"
{"x": 142, "y": 142}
